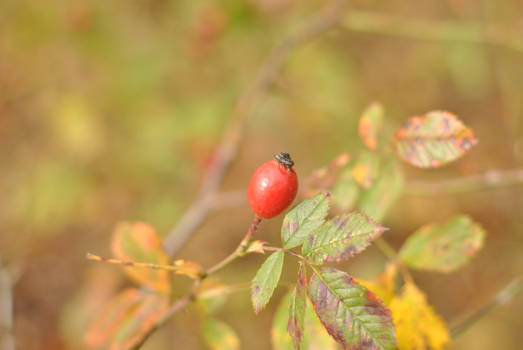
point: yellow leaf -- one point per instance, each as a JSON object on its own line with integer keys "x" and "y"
{"x": 418, "y": 326}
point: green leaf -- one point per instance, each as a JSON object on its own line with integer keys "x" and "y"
{"x": 376, "y": 201}
{"x": 432, "y": 140}
{"x": 266, "y": 280}
{"x": 220, "y": 336}
{"x": 371, "y": 123}
{"x": 303, "y": 219}
{"x": 139, "y": 242}
{"x": 341, "y": 238}
{"x": 126, "y": 319}
{"x": 353, "y": 315}
{"x": 296, "y": 322}
{"x": 315, "y": 337}
{"x": 445, "y": 247}
{"x": 366, "y": 169}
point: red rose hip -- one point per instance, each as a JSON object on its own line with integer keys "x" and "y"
{"x": 273, "y": 186}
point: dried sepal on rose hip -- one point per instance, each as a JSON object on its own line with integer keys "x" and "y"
{"x": 273, "y": 186}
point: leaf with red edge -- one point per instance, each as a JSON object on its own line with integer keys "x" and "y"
{"x": 341, "y": 238}
{"x": 296, "y": 323}
{"x": 126, "y": 319}
{"x": 433, "y": 140}
{"x": 140, "y": 243}
{"x": 371, "y": 123}
{"x": 353, "y": 315}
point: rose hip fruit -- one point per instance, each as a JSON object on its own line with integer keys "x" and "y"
{"x": 273, "y": 186}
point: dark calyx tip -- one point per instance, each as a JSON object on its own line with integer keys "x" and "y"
{"x": 284, "y": 159}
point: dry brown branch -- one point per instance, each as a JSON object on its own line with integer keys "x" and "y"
{"x": 6, "y": 310}
{"x": 478, "y": 182}
{"x": 227, "y": 149}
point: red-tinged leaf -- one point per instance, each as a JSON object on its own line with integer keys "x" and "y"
{"x": 366, "y": 169}
{"x": 378, "y": 199}
{"x": 353, "y": 315}
{"x": 371, "y": 123}
{"x": 266, "y": 280}
{"x": 341, "y": 238}
{"x": 111, "y": 316}
{"x": 445, "y": 247}
{"x": 140, "y": 321}
{"x": 139, "y": 242}
{"x": 433, "y": 140}
{"x": 296, "y": 323}
{"x": 345, "y": 191}
{"x": 303, "y": 219}
{"x": 323, "y": 179}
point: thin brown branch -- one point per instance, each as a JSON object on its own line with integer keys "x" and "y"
{"x": 478, "y": 182}
{"x": 504, "y": 296}
{"x": 6, "y": 310}
{"x": 439, "y": 31}
{"x": 227, "y": 149}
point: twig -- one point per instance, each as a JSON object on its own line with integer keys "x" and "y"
{"x": 6, "y": 310}
{"x": 489, "y": 180}
{"x": 227, "y": 149}
{"x": 450, "y": 31}
{"x": 504, "y": 296}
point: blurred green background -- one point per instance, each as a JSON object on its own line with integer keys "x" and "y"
{"x": 110, "y": 110}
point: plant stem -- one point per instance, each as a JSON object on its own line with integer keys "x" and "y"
{"x": 505, "y": 295}
{"x": 278, "y": 249}
{"x": 392, "y": 254}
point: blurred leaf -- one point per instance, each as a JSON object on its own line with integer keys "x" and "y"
{"x": 418, "y": 327}
{"x": 219, "y": 335}
{"x": 126, "y": 319}
{"x": 314, "y": 338}
{"x": 376, "y": 201}
{"x": 140, "y": 321}
{"x": 111, "y": 316}
{"x": 139, "y": 242}
{"x": 296, "y": 322}
{"x": 445, "y": 247}
{"x": 341, "y": 238}
{"x": 371, "y": 123}
{"x": 324, "y": 178}
{"x": 303, "y": 219}
{"x": 345, "y": 192}
{"x": 366, "y": 169}
{"x": 266, "y": 280}
{"x": 212, "y": 295}
{"x": 352, "y": 315}
{"x": 432, "y": 140}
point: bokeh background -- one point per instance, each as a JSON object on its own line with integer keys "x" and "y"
{"x": 110, "y": 111}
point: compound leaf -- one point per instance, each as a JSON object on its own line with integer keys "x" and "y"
{"x": 303, "y": 219}
{"x": 266, "y": 280}
{"x": 139, "y": 242}
{"x": 445, "y": 247}
{"x": 354, "y": 316}
{"x": 220, "y": 336}
{"x": 341, "y": 238}
{"x": 433, "y": 139}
